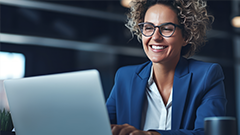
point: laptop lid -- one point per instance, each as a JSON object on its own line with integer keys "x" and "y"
{"x": 59, "y": 104}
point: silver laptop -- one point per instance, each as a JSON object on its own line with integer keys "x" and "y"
{"x": 60, "y": 104}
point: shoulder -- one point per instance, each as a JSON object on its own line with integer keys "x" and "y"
{"x": 132, "y": 69}
{"x": 196, "y": 67}
{"x": 207, "y": 73}
{"x": 200, "y": 66}
{"x": 127, "y": 75}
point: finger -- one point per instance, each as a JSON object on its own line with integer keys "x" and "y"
{"x": 136, "y": 132}
{"x": 139, "y": 132}
{"x": 112, "y": 125}
{"x": 122, "y": 129}
{"x": 127, "y": 129}
{"x": 116, "y": 129}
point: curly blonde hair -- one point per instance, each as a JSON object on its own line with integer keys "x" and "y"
{"x": 192, "y": 16}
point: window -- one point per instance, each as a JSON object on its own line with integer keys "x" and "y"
{"x": 12, "y": 65}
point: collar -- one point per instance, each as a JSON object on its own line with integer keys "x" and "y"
{"x": 150, "y": 80}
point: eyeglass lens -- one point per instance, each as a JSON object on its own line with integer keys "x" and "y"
{"x": 165, "y": 30}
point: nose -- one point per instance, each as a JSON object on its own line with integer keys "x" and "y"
{"x": 157, "y": 35}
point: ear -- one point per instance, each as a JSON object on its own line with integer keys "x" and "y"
{"x": 185, "y": 41}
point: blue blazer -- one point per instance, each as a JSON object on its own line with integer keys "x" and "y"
{"x": 198, "y": 92}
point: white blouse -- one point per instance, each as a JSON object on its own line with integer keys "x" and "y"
{"x": 155, "y": 114}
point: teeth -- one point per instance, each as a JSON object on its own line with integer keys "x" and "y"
{"x": 157, "y": 47}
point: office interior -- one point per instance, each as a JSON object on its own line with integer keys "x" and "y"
{"x": 63, "y": 36}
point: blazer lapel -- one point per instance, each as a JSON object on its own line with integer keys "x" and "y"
{"x": 138, "y": 95}
{"x": 181, "y": 83}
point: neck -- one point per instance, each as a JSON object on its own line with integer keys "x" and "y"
{"x": 163, "y": 74}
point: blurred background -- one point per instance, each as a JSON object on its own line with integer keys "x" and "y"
{"x": 48, "y": 37}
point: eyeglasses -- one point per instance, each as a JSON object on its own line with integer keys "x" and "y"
{"x": 165, "y": 29}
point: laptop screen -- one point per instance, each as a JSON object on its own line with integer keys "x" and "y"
{"x": 68, "y": 103}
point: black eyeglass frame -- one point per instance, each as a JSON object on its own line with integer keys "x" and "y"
{"x": 175, "y": 25}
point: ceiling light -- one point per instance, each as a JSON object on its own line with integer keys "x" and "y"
{"x": 126, "y": 3}
{"x": 236, "y": 22}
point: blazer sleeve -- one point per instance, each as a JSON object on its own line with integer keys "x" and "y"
{"x": 117, "y": 101}
{"x": 212, "y": 101}
{"x": 111, "y": 102}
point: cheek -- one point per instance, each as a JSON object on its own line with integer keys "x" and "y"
{"x": 145, "y": 41}
{"x": 178, "y": 40}
{"x": 178, "y": 43}
{"x": 145, "y": 44}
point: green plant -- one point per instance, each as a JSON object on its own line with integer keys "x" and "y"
{"x": 5, "y": 121}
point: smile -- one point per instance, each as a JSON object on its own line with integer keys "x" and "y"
{"x": 157, "y": 47}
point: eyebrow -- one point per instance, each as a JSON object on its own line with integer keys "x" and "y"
{"x": 160, "y": 24}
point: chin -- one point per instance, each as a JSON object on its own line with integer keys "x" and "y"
{"x": 156, "y": 60}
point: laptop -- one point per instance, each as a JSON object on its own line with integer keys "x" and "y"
{"x": 60, "y": 104}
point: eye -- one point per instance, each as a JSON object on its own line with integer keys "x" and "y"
{"x": 148, "y": 27}
{"x": 167, "y": 28}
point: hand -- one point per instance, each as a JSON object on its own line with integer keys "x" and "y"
{"x": 127, "y": 129}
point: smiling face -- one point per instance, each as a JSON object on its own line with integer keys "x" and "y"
{"x": 161, "y": 49}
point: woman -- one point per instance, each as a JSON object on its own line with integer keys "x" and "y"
{"x": 169, "y": 94}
